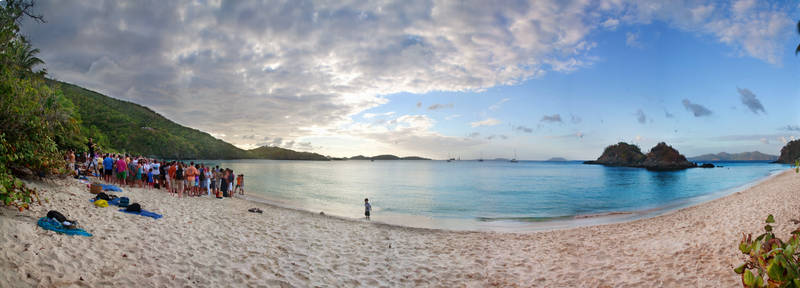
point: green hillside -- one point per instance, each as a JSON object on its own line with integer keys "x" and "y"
{"x": 277, "y": 153}
{"x": 123, "y": 126}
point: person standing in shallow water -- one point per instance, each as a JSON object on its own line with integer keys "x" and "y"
{"x": 367, "y": 207}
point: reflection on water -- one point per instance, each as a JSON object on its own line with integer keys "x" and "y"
{"x": 443, "y": 192}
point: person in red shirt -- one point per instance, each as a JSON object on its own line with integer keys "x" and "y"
{"x": 171, "y": 177}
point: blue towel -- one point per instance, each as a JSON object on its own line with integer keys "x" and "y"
{"x": 144, "y": 213}
{"x": 114, "y": 201}
{"x": 109, "y": 187}
{"x": 50, "y": 224}
{"x": 83, "y": 178}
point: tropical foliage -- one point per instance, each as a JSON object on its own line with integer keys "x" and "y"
{"x": 35, "y": 119}
{"x": 770, "y": 262}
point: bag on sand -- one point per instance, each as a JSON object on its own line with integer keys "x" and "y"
{"x": 135, "y": 207}
{"x": 95, "y": 188}
{"x": 102, "y": 196}
{"x": 124, "y": 201}
{"x": 56, "y": 215}
{"x": 101, "y": 203}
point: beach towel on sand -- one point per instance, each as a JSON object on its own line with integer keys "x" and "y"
{"x": 143, "y": 213}
{"x": 53, "y": 225}
{"x": 109, "y": 187}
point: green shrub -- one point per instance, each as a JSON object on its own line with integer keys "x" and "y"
{"x": 770, "y": 262}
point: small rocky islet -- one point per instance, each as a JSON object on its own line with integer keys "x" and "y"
{"x": 662, "y": 157}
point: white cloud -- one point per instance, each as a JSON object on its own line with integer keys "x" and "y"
{"x": 610, "y": 24}
{"x": 373, "y": 115}
{"x": 451, "y": 117}
{"x": 486, "y": 122}
{"x": 310, "y": 67}
{"x": 496, "y": 106}
{"x": 632, "y": 40}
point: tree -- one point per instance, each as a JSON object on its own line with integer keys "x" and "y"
{"x": 23, "y": 56}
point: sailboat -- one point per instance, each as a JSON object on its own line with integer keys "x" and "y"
{"x": 514, "y": 160}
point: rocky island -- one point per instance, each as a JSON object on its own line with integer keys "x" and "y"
{"x": 662, "y": 157}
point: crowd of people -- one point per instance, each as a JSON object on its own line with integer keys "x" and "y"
{"x": 176, "y": 177}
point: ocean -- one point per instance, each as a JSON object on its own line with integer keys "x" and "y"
{"x": 489, "y": 195}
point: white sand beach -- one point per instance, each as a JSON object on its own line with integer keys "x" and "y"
{"x": 204, "y": 242}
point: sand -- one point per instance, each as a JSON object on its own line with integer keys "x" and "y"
{"x": 204, "y": 242}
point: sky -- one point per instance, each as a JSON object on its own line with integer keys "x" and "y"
{"x": 439, "y": 79}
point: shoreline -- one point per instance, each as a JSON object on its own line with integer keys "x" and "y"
{"x": 206, "y": 242}
{"x": 521, "y": 224}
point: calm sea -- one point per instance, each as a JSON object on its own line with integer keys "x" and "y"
{"x": 489, "y": 195}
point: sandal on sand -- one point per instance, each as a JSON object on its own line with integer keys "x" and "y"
{"x": 255, "y": 210}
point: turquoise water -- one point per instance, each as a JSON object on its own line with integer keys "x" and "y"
{"x": 488, "y": 194}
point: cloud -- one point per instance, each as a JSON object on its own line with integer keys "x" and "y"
{"x": 668, "y": 115}
{"x": 373, "y": 115}
{"x": 486, "y": 122}
{"x": 551, "y": 118}
{"x": 610, "y": 24}
{"x": 496, "y": 106}
{"x": 440, "y": 106}
{"x": 419, "y": 104}
{"x": 641, "y": 117}
{"x": 492, "y": 137}
{"x": 474, "y": 134}
{"x": 451, "y": 117}
{"x": 791, "y": 128}
{"x": 749, "y": 137}
{"x": 696, "y": 109}
{"x": 749, "y": 99}
{"x": 632, "y": 40}
{"x": 764, "y": 140}
{"x": 523, "y": 129}
{"x": 574, "y": 119}
{"x": 296, "y": 68}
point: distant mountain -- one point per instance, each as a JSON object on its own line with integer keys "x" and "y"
{"x": 386, "y": 157}
{"x": 277, "y": 153}
{"x": 557, "y": 159}
{"x": 744, "y": 156}
{"x": 122, "y": 126}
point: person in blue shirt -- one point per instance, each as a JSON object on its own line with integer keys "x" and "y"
{"x": 108, "y": 164}
{"x": 150, "y": 178}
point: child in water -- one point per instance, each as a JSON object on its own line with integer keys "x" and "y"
{"x": 367, "y": 207}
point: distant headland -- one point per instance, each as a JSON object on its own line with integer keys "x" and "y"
{"x": 790, "y": 152}
{"x": 382, "y": 157}
{"x": 744, "y": 156}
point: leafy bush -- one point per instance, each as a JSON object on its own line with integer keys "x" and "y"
{"x": 770, "y": 262}
{"x": 36, "y": 120}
